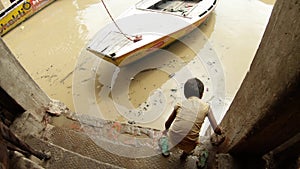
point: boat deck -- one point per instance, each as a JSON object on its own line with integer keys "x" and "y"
{"x": 112, "y": 43}
{"x": 115, "y": 44}
{"x": 178, "y": 7}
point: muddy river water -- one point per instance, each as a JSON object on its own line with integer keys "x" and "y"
{"x": 51, "y": 47}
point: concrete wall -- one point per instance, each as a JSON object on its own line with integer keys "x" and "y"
{"x": 266, "y": 110}
{"x": 17, "y": 82}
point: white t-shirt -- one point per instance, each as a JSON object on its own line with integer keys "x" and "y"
{"x": 189, "y": 119}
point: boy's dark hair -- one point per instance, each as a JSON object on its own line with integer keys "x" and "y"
{"x": 193, "y": 87}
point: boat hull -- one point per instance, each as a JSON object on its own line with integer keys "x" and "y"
{"x": 155, "y": 45}
{"x": 113, "y": 47}
{"x": 18, "y": 12}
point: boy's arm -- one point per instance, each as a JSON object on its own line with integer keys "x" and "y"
{"x": 171, "y": 118}
{"x": 213, "y": 122}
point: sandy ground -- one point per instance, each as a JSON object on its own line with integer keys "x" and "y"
{"x": 51, "y": 47}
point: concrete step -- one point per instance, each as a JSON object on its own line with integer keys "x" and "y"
{"x": 94, "y": 141}
{"x": 65, "y": 159}
{"x": 19, "y": 161}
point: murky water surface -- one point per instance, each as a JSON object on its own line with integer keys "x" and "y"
{"x": 51, "y": 47}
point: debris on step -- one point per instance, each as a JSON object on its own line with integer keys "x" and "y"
{"x": 56, "y": 108}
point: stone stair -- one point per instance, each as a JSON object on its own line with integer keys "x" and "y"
{"x": 64, "y": 158}
{"x": 77, "y": 145}
{"x": 67, "y": 147}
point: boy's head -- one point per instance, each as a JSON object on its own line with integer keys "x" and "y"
{"x": 193, "y": 87}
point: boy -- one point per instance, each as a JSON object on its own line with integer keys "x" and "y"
{"x": 184, "y": 124}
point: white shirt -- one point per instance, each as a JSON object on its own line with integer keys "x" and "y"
{"x": 189, "y": 119}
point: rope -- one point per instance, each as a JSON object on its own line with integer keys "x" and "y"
{"x": 115, "y": 22}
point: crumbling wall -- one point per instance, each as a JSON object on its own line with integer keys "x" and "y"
{"x": 265, "y": 111}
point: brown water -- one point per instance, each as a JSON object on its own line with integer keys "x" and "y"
{"x": 50, "y": 47}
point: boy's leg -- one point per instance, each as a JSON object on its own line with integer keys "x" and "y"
{"x": 164, "y": 145}
{"x": 185, "y": 154}
{"x": 188, "y": 147}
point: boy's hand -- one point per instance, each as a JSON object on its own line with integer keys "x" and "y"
{"x": 218, "y": 130}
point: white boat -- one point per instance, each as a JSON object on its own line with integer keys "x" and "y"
{"x": 147, "y": 26}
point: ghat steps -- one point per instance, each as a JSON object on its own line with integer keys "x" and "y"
{"x": 71, "y": 146}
